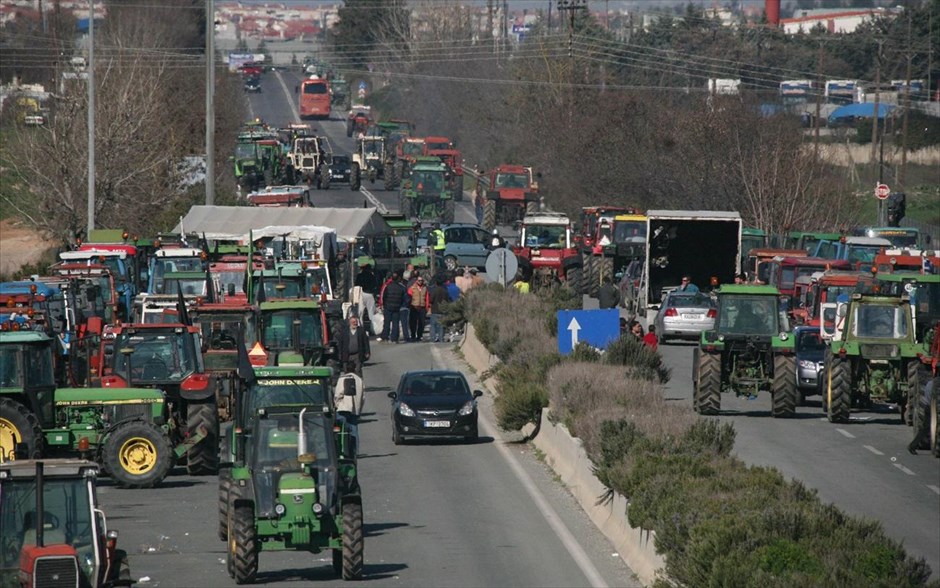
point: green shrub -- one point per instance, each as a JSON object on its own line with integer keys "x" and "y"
{"x": 520, "y": 401}
{"x": 709, "y": 436}
{"x": 642, "y": 360}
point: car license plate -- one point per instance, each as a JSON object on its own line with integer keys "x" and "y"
{"x": 692, "y": 317}
{"x": 437, "y": 424}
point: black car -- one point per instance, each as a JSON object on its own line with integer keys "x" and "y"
{"x": 253, "y": 84}
{"x": 340, "y": 168}
{"x": 434, "y": 403}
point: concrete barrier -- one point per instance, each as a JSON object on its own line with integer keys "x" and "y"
{"x": 566, "y": 456}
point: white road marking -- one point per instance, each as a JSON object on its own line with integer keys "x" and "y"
{"x": 846, "y": 433}
{"x": 567, "y": 539}
{"x": 371, "y": 198}
{"x": 287, "y": 94}
{"x": 904, "y": 469}
{"x": 872, "y": 449}
{"x": 934, "y": 488}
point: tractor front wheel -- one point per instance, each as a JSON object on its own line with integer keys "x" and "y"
{"x": 785, "y": 394}
{"x": 489, "y": 215}
{"x": 912, "y": 400}
{"x": 448, "y": 216}
{"x": 352, "y": 541}
{"x": 18, "y": 427}
{"x": 203, "y": 457}
{"x": 706, "y": 392}
{"x": 225, "y": 485}
{"x": 355, "y": 177}
{"x": 933, "y": 426}
{"x": 137, "y": 455}
{"x": 324, "y": 177}
{"x": 242, "y": 545}
{"x": 837, "y": 397}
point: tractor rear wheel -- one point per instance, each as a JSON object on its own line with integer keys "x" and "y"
{"x": 137, "y": 455}
{"x": 573, "y": 276}
{"x": 203, "y": 457}
{"x": 225, "y": 485}
{"x": 325, "y": 177}
{"x": 785, "y": 394}
{"x": 242, "y": 544}
{"x": 389, "y": 179}
{"x": 406, "y": 208}
{"x": 448, "y": 216}
{"x": 532, "y": 207}
{"x": 19, "y": 426}
{"x": 912, "y": 400}
{"x": 352, "y": 541}
{"x": 837, "y": 397}
{"x": 355, "y": 177}
{"x": 489, "y": 215}
{"x": 933, "y": 426}
{"x": 706, "y": 392}
{"x": 458, "y": 189}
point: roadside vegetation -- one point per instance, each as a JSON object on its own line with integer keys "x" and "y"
{"x": 718, "y": 521}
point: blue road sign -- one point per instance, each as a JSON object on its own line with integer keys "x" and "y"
{"x": 594, "y": 327}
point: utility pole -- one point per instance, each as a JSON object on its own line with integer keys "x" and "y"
{"x": 571, "y": 7}
{"x": 210, "y": 102}
{"x": 819, "y": 91}
{"x": 549, "y": 28}
{"x": 504, "y": 34}
{"x": 489, "y": 11}
{"x": 874, "y": 117}
{"x": 91, "y": 119}
{"x": 902, "y": 177}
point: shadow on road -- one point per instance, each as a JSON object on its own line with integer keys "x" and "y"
{"x": 368, "y": 456}
{"x": 446, "y": 441}
{"x": 376, "y": 529}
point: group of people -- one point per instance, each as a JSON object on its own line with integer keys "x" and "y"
{"x": 635, "y": 329}
{"x": 408, "y": 301}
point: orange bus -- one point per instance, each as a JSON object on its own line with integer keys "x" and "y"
{"x": 314, "y": 98}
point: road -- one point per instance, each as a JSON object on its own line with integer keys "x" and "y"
{"x": 863, "y": 466}
{"x": 436, "y": 513}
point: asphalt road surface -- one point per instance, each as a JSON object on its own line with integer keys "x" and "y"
{"x": 437, "y": 513}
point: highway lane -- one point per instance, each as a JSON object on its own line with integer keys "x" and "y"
{"x": 436, "y": 513}
{"x": 863, "y": 466}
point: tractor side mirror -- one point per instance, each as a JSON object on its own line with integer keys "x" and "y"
{"x": 349, "y": 387}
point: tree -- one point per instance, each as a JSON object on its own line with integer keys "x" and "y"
{"x": 363, "y": 25}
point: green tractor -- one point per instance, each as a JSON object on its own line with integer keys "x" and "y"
{"x": 424, "y": 194}
{"x": 249, "y": 167}
{"x": 873, "y": 355}
{"x": 293, "y": 486}
{"x": 749, "y": 351}
{"x": 124, "y": 429}
{"x": 297, "y": 333}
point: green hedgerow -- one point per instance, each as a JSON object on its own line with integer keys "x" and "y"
{"x": 641, "y": 360}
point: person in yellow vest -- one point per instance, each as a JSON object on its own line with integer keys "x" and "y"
{"x": 521, "y": 284}
{"x": 439, "y": 243}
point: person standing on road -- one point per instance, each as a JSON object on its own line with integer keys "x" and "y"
{"x": 393, "y": 297}
{"x": 353, "y": 347}
{"x": 462, "y": 279}
{"x": 438, "y": 297}
{"x": 452, "y": 290}
{"x": 420, "y": 308}
{"x": 608, "y": 295}
{"x": 687, "y": 285}
{"x": 650, "y": 338}
{"x": 365, "y": 279}
{"x": 437, "y": 235}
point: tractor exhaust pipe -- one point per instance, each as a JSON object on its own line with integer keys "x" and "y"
{"x": 301, "y": 436}
{"x": 40, "y": 523}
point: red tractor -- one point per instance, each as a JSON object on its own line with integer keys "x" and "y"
{"x": 358, "y": 120}
{"x": 513, "y": 193}
{"x": 590, "y": 218}
{"x": 546, "y": 251}
{"x": 167, "y": 356}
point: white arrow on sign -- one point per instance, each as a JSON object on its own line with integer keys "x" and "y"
{"x": 574, "y": 327}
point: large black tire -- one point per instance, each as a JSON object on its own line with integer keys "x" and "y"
{"x": 355, "y": 176}
{"x": 353, "y": 541}
{"x": 18, "y": 426}
{"x": 837, "y": 395}
{"x": 912, "y": 400}
{"x": 242, "y": 544}
{"x": 324, "y": 183}
{"x": 450, "y": 263}
{"x": 449, "y": 208}
{"x": 203, "y": 457}
{"x": 407, "y": 210}
{"x": 389, "y": 179}
{"x": 458, "y": 189}
{"x": 706, "y": 389}
{"x": 123, "y": 567}
{"x": 573, "y": 276}
{"x": 587, "y": 277}
{"x": 786, "y": 397}
{"x": 489, "y": 215}
{"x": 137, "y": 455}
{"x": 532, "y": 207}
{"x": 933, "y": 424}
{"x": 396, "y": 435}
{"x": 225, "y": 485}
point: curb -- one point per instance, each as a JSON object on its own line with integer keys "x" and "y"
{"x": 567, "y": 458}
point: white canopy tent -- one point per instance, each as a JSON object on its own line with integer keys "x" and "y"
{"x": 234, "y": 222}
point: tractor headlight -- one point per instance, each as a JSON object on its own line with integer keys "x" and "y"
{"x": 466, "y": 409}
{"x": 784, "y": 336}
{"x": 280, "y": 509}
{"x": 405, "y": 410}
{"x": 317, "y": 508}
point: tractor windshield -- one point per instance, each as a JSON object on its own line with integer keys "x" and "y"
{"x": 67, "y": 520}
{"x": 232, "y": 281}
{"x": 863, "y": 253}
{"x": 512, "y": 180}
{"x": 289, "y": 329}
{"x": 220, "y": 331}
{"x": 412, "y": 148}
{"x": 625, "y": 231}
{"x": 427, "y": 182}
{"x": 553, "y": 236}
{"x": 244, "y": 151}
{"x": 189, "y": 286}
{"x": 879, "y": 321}
{"x": 748, "y": 315}
{"x": 277, "y": 435}
{"x": 154, "y": 356}
{"x": 372, "y": 148}
{"x": 28, "y": 365}
{"x": 283, "y": 288}
{"x": 286, "y": 391}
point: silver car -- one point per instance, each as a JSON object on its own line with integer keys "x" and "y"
{"x": 810, "y": 355}
{"x": 684, "y": 315}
